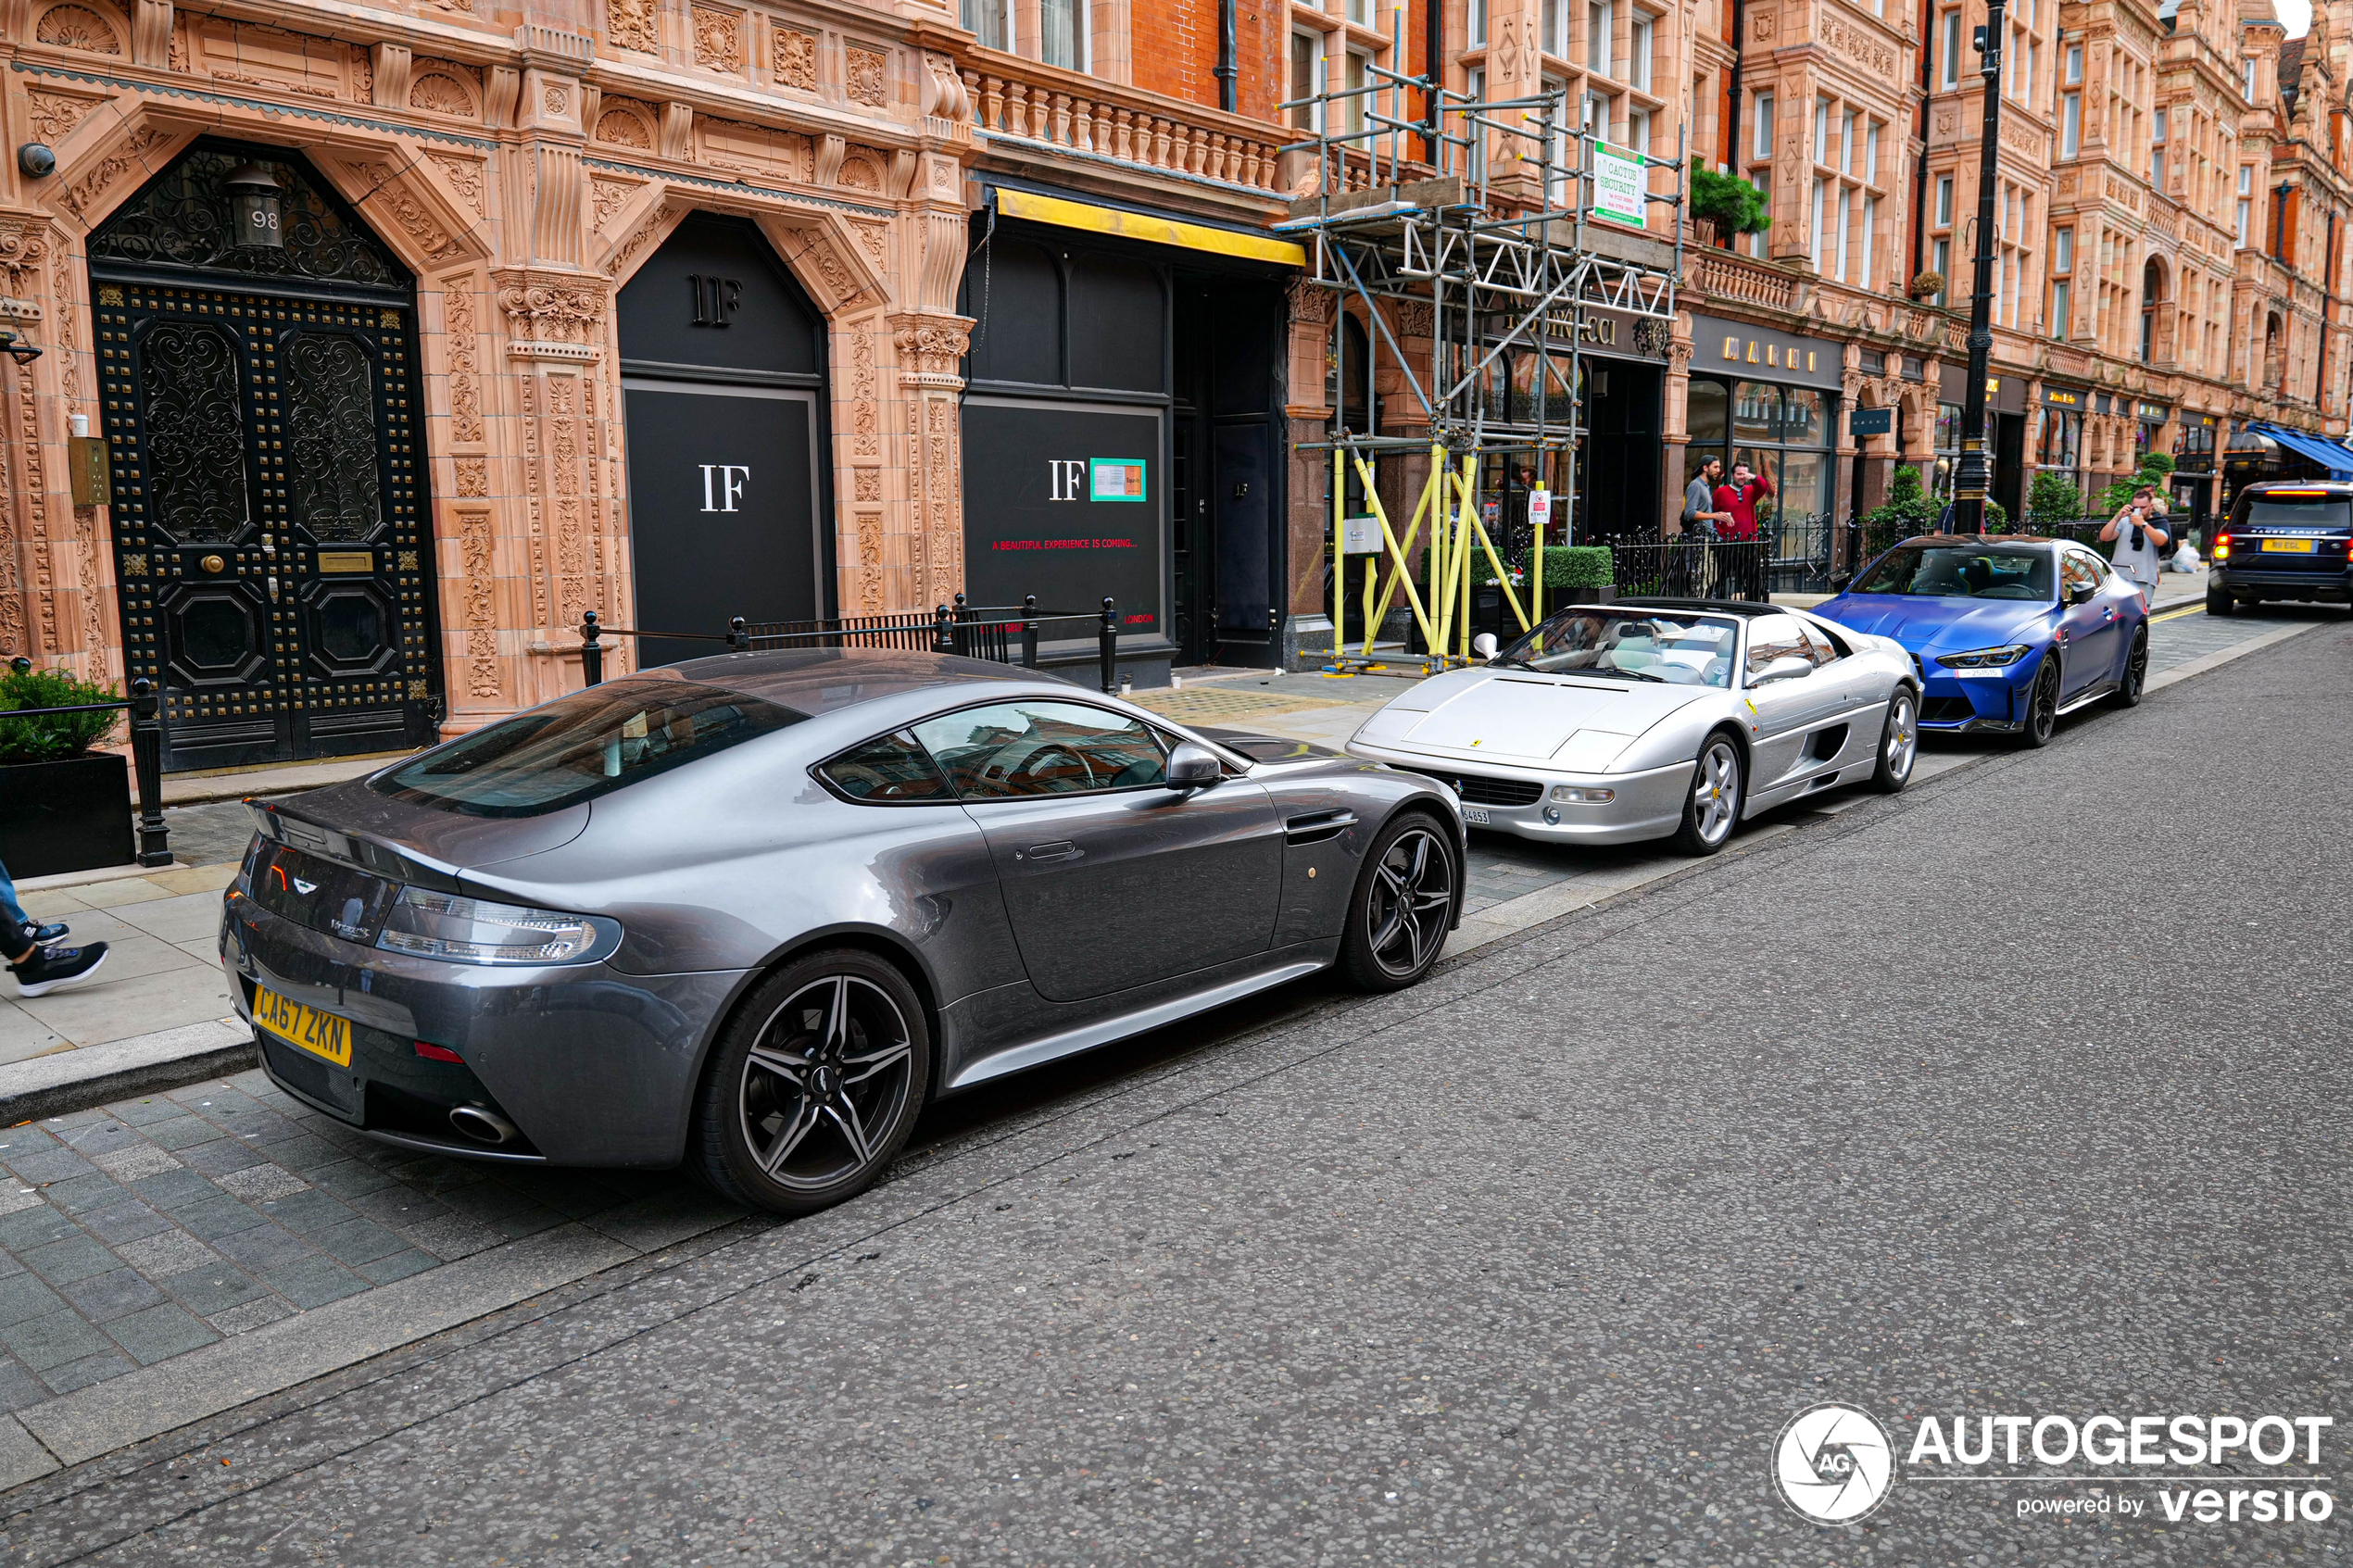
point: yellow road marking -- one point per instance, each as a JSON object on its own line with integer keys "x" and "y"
{"x": 2177, "y": 614}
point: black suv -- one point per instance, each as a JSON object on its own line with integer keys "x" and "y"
{"x": 2284, "y": 542}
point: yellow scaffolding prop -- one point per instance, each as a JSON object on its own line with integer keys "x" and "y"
{"x": 1455, "y": 533}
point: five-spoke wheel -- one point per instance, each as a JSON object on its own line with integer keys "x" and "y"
{"x": 1403, "y": 905}
{"x": 1899, "y": 741}
{"x": 814, "y": 1084}
{"x": 1713, "y": 808}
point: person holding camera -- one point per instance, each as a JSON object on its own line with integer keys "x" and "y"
{"x": 2140, "y": 541}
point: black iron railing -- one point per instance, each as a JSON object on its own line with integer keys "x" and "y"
{"x": 1676, "y": 567}
{"x": 999, "y": 634}
{"x": 146, "y": 707}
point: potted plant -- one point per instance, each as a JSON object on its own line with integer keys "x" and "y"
{"x": 1728, "y": 202}
{"x": 1574, "y": 572}
{"x": 1927, "y": 285}
{"x": 63, "y": 807}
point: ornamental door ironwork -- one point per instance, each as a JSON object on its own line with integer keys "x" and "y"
{"x": 273, "y": 554}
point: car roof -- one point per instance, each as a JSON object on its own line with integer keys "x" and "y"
{"x": 815, "y": 680}
{"x": 1984, "y": 541}
{"x": 1712, "y": 607}
{"x": 2334, "y": 486}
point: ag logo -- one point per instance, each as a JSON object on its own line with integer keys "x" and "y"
{"x": 1834, "y": 1464}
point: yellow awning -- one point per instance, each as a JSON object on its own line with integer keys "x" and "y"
{"x": 1137, "y": 226}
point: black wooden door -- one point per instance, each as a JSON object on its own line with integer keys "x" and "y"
{"x": 272, "y": 548}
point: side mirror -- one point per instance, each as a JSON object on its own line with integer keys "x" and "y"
{"x": 1193, "y": 767}
{"x": 2081, "y": 594}
{"x": 1788, "y": 668}
{"x": 1484, "y": 644}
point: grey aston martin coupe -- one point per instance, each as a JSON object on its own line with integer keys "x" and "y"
{"x": 753, "y": 912}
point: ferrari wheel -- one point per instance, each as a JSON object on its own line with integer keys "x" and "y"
{"x": 1712, "y": 809}
{"x": 1899, "y": 741}
{"x": 1402, "y": 907}
{"x": 813, "y": 1085}
{"x": 2135, "y": 681}
{"x": 2042, "y": 704}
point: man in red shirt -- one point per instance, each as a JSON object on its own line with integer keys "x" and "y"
{"x": 1739, "y": 497}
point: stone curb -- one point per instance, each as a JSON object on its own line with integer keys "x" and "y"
{"x": 89, "y": 1076}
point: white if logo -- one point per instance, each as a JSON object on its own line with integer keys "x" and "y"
{"x": 1834, "y": 1464}
{"x": 1069, "y": 475}
{"x": 722, "y": 484}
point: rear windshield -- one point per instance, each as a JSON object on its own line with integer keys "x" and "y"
{"x": 1961, "y": 572}
{"x": 583, "y": 746}
{"x": 2292, "y": 511}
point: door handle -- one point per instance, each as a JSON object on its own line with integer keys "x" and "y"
{"x": 1062, "y": 850}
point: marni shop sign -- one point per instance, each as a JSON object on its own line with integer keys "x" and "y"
{"x": 1766, "y": 355}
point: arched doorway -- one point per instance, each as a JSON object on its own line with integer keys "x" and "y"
{"x": 723, "y": 381}
{"x": 273, "y": 556}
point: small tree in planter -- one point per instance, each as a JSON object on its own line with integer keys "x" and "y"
{"x": 63, "y": 807}
{"x": 1731, "y": 203}
{"x": 2052, "y": 499}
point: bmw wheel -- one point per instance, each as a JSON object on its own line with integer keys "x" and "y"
{"x": 2042, "y": 704}
{"x": 1713, "y": 808}
{"x": 1403, "y": 905}
{"x": 1899, "y": 741}
{"x": 814, "y": 1083}
{"x": 2134, "y": 685}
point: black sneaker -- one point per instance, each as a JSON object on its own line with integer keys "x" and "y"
{"x": 40, "y": 935}
{"x": 49, "y": 968}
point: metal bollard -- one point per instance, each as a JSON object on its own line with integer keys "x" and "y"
{"x": 943, "y": 639}
{"x": 1110, "y": 647}
{"x": 739, "y": 634}
{"x": 146, "y": 762}
{"x": 1029, "y": 631}
{"x": 592, "y": 652}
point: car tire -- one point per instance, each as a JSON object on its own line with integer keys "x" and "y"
{"x": 2042, "y": 704}
{"x": 1899, "y": 741}
{"x": 813, "y": 1085}
{"x": 1712, "y": 806}
{"x": 2220, "y": 603}
{"x": 1404, "y": 904}
{"x": 2134, "y": 683}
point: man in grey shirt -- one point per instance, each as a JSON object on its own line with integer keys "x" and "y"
{"x": 1700, "y": 516}
{"x": 2140, "y": 543}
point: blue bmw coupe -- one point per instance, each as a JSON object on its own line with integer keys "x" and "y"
{"x": 2008, "y": 633}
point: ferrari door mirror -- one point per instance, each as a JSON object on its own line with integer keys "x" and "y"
{"x": 1193, "y": 767}
{"x": 1788, "y": 668}
{"x": 1484, "y": 644}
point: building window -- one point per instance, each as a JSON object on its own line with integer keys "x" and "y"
{"x": 2249, "y": 85}
{"x": 1817, "y": 226}
{"x": 2060, "y": 306}
{"x": 1870, "y": 227}
{"x": 1945, "y": 201}
{"x": 1307, "y": 78}
{"x": 2063, "y": 251}
{"x": 1945, "y": 271}
{"x": 1062, "y": 32}
{"x": 1821, "y": 131}
{"x": 1600, "y": 23}
{"x": 2070, "y": 123}
{"x": 1556, "y": 28}
{"x": 1638, "y": 131}
{"x": 1846, "y": 143}
{"x": 1640, "y": 66}
{"x": 1477, "y": 22}
{"x": 1359, "y": 76}
{"x": 2156, "y": 150}
{"x": 2075, "y": 65}
{"x": 1948, "y": 46}
{"x": 989, "y": 21}
{"x": 1361, "y": 12}
{"x": 1760, "y": 129}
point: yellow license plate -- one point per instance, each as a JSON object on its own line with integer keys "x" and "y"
{"x": 2290, "y": 546}
{"x": 321, "y": 1033}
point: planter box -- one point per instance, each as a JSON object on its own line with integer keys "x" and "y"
{"x": 71, "y": 815}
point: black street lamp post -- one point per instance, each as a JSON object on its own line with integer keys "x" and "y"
{"x": 1971, "y": 477}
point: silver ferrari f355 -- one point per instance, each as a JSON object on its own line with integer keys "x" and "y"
{"x": 753, "y": 912}
{"x": 1656, "y": 719}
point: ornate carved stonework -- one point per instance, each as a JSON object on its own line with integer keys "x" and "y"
{"x": 78, "y": 26}
{"x": 861, "y": 173}
{"x": 129, "y": 154}
{"x": 474, "y": 476}
{"x": 554, "y": 100}
{"x": 865, "y": 409}
{"x": 24, "y": 246}
{"x": 874, "y": 240}
{"x": 438, "y": 92}
{"x": 718, "y": 39}
{"x": 54, "y": 115}
{"x": 1856, "y": 44}
{"x": 482, "y": 605}
{"x": 610, "y": 195}
{"x": 630, "y": 23}
{"x": 552, "y": 316}
{"x": 391, "y": 196}
{"x": 796, "y": 58}
{"x": 931, "y": 350}
{"x": 624, "y": 126}
{"x": 464, "y": 175}
{"x": 865, "y": 76}
{"x": 460, "y": 329}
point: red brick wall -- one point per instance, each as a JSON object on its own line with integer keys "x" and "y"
{"x": 1175, "y": 44}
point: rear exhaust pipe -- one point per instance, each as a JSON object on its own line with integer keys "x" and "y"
{"x": 484, "y": 1126}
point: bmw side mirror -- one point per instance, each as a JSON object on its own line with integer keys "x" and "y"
{"x": 1788, "y": 668}
{"x": 1193, "y": 767}
{"x": 1484, "y": 644}
{"x": 2081, "y": 594}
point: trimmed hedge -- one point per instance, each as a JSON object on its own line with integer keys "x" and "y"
{"x": 1577, "y": 566}
{"x": 59, "y": 735}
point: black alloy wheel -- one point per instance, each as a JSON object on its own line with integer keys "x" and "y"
{"x": 1403, "y": 905}
{"x": 2042, "y": 704}
{"x": 814, "y": 1084}
{"x": 2134, "y": 685}
{"x": 2219, "y": 602}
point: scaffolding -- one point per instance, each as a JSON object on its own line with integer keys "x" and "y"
{"x": 1483, "y": 211}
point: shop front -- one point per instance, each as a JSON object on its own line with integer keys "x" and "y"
{"x": 1769, "y": 399}
{"x": 1123, "y": 428}
{"x": 2005, "y": 434}
{"x": 2195, "y": 452}
{"x": 2058, "y": 446}
{"x": 1527, "y": 396}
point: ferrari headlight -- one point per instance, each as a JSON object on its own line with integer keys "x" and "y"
{"x": 438, "y": 925}
{"x": 1984, "y": 659}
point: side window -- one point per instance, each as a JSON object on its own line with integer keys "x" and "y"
{"x": 2092, "y": 564}
{"x": 1818, "y": 645}
{"x": 1013, "y": 750}
{"x": 2072, "y": 574}
{"x": 887, "y": 770}
{"x": 1775, "y": 637}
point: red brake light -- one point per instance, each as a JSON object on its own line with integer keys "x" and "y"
{"x": 2222, "y": 550}
{"x": 438, "y": 1053}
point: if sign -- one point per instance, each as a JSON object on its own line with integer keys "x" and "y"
{"x": 1067, "y": 478}
{"x": 723, "y": 486}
